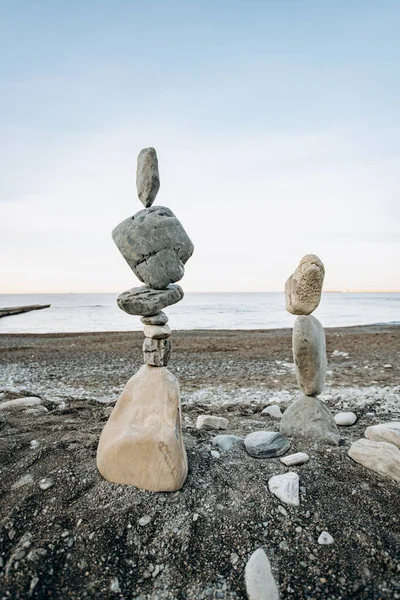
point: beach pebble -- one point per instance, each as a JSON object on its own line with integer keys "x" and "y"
{"x": 345, "y": 419}
{"x": 20, "y": 403}
{"x": 295, "y": 459}
{"x": 325, "y": 538}
{"x": 145, "y": 520}
{"x": 385, "y": 432}
{"x": 215, "y": 454}
{"x": 155, "y": 246}
{"x": 226, "y": 442}
{"x": 24, "y": 480}
{"x": 158, "y": 319}
{"x": 381, "y": 457}
{"x": 303, "y": 288}
{"x": 147, "y": 176}
{"x": 144, "y": 300}
{"x": 37, "y": 410}
{"x": 273, "y": 411}
{"x": 340, "y": 353}
{"x": 285, "y": 487}
{"x": 388, "y": 366}
{"x": 211, "y": 422}
{"x": 46, "y": 483}
{"x": 114, "y": 587}
{"x": 266, "y": 444}
{"x": 309, "y": 418}
{"x": 34, "y": 444}
{"x": 156, "y": 352}
{"x": 260, "y": 582}
{"x": 157, "y": 332}
{"x": 309, "y": 354}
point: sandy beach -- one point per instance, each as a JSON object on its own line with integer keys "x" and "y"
{"x": 81, "y": 537}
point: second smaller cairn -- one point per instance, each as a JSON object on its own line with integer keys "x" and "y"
{"x": 309, "y": 416}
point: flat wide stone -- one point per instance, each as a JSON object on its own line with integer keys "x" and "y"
{"x": 309, "y": 354}
{"x": 298, "y": 458}
{"x": 260, "y": 582}
{"x": 20, "y": 403}
{"x": 285, "y": 487}
{"x": 147, "y": 176}
{"x": 155, "y": 246}
{"x": 303, "y": 288}
{"x": 157, "y": 332}
{"x": 381, "y": 457}
{"x": 211, "y": 422}
{"x": 142, "y": 444}
{"x": 345, "y": 419}
{"x": 146, "y": 301}
{"x": 385, "y": 432}
{"x": 266, "y": 444}
{"x": 310, "y": 418}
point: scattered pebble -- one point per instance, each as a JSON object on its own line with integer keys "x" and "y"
{"x": 273, "y": 411}
{"x": 282, "y": 510}
{"x": 260, "y": 582}
{"x": 325, "y": 538}
{"x": 143, "y": 521}
{"x": 345, "y": 419}
{"x": 46, "y": 483}
{"x": 295, "y": 459}
{"x": 34, "y": 444}
{"x": 211, "y": 422}
{"x": 215, "y": 454}
{"x": 114, "y": 587}
{"x": 225, "y": 442}
{"x": 285, "y": 487}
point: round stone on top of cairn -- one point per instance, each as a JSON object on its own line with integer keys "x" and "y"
{"x": 142, "y": 443}
{"x": 308, "y": 417}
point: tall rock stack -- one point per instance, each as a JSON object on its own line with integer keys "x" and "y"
{"x": 308, "y": 417}
{"x": 142, "y": 444}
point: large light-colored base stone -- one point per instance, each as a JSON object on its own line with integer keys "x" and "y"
{"x": 142, "y": 444}
{"x": 309, "y": 354}
{"x": 309, "y": 418}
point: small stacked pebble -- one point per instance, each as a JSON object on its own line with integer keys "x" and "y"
{"x": 308, "y": 416}
{"x": 146, "y": 421}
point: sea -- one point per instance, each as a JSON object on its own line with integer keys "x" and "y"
{"x": 99, "y": 312}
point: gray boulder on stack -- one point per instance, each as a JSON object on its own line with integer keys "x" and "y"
{"x": 308, "y": 417}
{"x": 141, "y": 443}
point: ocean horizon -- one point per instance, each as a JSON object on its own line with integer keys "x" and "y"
{"x": 72, "y": 313}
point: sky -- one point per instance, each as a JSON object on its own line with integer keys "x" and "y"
{"x": 276, "y": 123}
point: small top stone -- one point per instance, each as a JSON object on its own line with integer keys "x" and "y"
{"x": 303, "y": 288}
{"x": 147, "y": 176}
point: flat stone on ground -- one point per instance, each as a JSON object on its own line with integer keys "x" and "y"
{"x": 298, "y": 458}
{"x": 145, "y": 301}
{"x": 260, "y": 582}
{"x": 381, "y": 457}
{"x": 147, "y": 176}
{"x": 273, "y": 411}
{"x": 211, "y": 422}
{"x": 345, "y": 419}
{"x": 303, "y": 288}
{"x": 285, "y": 487}
{"x": 155, "y": 246}
{"x": 385, "y": 432}
{"x": 309, "y": 354}
{"x": 20, "y": 403}
{"x": 311, "y": 419}
{"x": 226, "y": 442}
{"x": 266, "y": 444}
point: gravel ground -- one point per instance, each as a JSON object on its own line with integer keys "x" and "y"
{"x": 82, "y": 537}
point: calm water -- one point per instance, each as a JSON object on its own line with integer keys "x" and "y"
{"x": 99, "y": 312}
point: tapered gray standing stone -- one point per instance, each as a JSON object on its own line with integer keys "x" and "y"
{"x": 309, "y": 353}
{"x": 303, "y": 288}
{"x": 155, "y": 246}
{"x": 147, "y": 176}
{"x": 310, "y": 418}
{"x": 146, "y": 302}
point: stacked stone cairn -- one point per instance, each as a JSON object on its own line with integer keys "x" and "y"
{"x": 142, "y": 444}
{"x": 308, "y": 417}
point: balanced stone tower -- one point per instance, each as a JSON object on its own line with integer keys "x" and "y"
{"x": 308, "y": 417}
{"x": 142, "y": 444}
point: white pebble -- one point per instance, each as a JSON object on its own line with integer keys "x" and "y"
{"x": 34, "y": 444}
{"x": 260, "y": 582}
{"x": 285, "y": 487}
{"x": 114, "y": 587}
{"x": 46, "y": 483}
{"x": 273, "y": 411}
{"x": 143, "y": 521}
{"x": 295, "y": 459}
{"x": 215, "y": 454}
{"x": 325, "y": 538}
{"x": 345, "y": 419}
